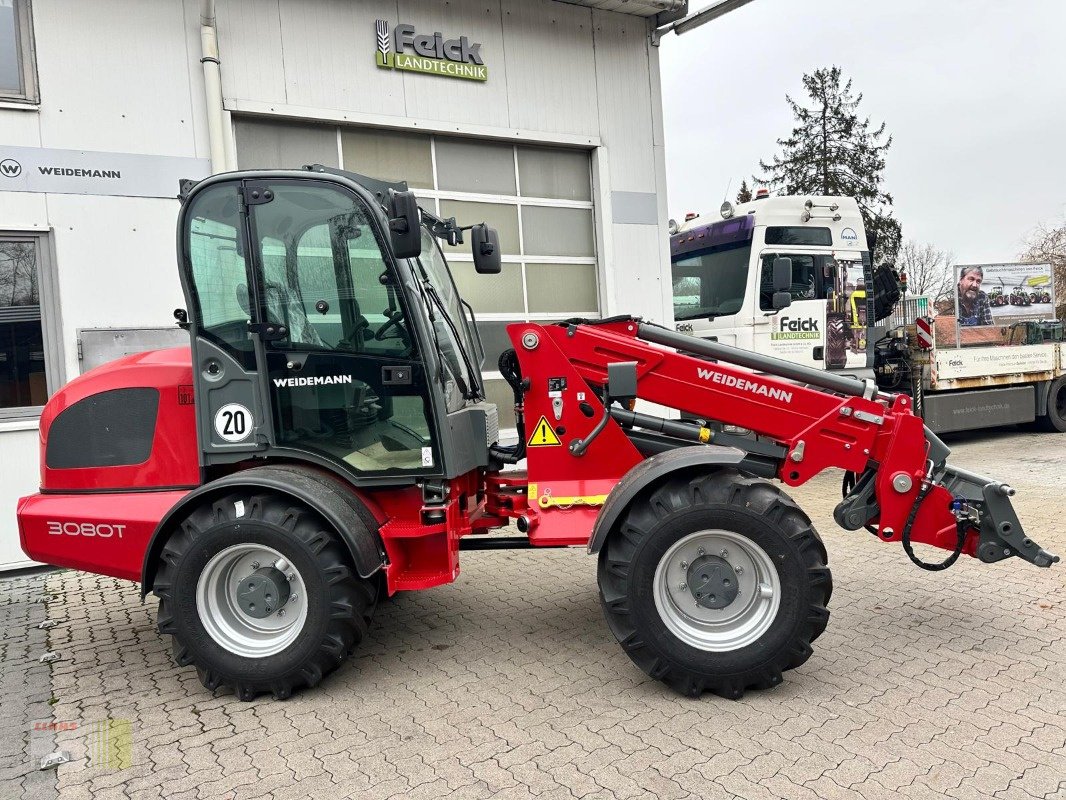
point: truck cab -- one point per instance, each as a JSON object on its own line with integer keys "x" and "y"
{"x": 723, "y": 286}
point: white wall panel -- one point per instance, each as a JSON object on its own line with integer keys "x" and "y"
{"x": 19, "y": 476}
{"x": 450, "y": 99}
{"x": 250, "y": 49}
{"x": 624, "y": 88}
{"x": 550, "y": 63}
{"x": 638, "y": 284}
{"x": 20, "y": 128}
{"x": 22, "y": 210}
{"x": 329, "y": 47}
{"x": 116, "y": 264}
{"x": 114, "y": 76}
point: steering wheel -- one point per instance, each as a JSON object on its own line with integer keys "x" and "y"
{"x": 393, "y": 319}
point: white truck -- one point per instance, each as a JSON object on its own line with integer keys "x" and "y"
{"x": 840, "y": 314}
{"x": 723, "y": 281}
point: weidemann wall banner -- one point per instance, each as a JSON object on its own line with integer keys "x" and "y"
{"x": 999, "y": 294}
{"x": 38, "y": 169}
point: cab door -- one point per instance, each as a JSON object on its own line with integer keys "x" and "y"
{"x": 797, "y": 333}
{"x": 334, "y": 337}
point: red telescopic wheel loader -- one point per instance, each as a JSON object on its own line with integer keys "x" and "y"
{"x": 325, "y": 441}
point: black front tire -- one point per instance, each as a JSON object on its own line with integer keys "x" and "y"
{"x": 744, "y": 507}
{"x": 339, "y": 603}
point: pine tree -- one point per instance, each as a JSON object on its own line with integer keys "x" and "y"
{"x": 744, "y": 195}
{"x": 832, "y": 151}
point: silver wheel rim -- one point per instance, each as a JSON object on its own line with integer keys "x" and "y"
{"x": 736, "y": 625}
{"x": 227, "y": 623}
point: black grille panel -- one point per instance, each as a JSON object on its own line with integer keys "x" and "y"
{"x": 109, "y": 429}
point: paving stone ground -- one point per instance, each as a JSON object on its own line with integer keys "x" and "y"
{"x": 25, "y": 690}
{"x": 508, "y": 684}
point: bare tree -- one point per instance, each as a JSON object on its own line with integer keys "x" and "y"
{"x": 930, "y": 271}
{"x": 1047, "y": 245}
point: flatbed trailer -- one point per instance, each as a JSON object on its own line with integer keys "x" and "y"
{"x": 981, "y": 378}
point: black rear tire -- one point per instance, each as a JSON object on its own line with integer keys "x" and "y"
{"x": 1055, "y": 419}
{"x": 339, "y": 604}
{"x": 749, "y": 510}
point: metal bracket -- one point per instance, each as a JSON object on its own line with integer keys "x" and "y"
{"x": 866, "y": 416}
{"x": 860, "y": 506}
{"x": 53, "y": 760}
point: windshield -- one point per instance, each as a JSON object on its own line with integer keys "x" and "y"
{"x": 710, "y": 283}
{"x": 450, "y": 327}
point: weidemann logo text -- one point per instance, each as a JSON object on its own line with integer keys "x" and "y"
{"x": 744, "y": 385}
{"x": 318, "y": 380}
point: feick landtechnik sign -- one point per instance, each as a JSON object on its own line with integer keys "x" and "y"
{"x": 408, "y": 50}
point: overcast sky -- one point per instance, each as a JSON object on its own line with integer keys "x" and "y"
{"x": 973, "y": 93}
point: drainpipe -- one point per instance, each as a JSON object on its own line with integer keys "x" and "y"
{"x": 219, "y": 128}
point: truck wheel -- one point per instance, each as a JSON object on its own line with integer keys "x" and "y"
{"x": 715, "y": 582}
{"x": 1055, "y": 419}
{"x": 259, "y": 594}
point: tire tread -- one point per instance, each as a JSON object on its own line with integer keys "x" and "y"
{"x": 352, "y": 599}
{"x": 721, "y": 488}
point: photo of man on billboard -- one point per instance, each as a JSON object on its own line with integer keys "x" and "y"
{"x": 1002, "y": 294}
{"x": 972, "y": 303}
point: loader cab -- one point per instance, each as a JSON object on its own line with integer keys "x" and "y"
{"x": 313, "y": 341}
{"x": 723, "y": 280}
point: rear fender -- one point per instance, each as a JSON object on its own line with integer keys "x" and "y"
{"x": 655, "y": 470}
{"x": 335, "y": 500}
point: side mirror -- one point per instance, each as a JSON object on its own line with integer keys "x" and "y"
{"x": 404, "y": 224}
{"x": 485, "y": 244}
{"x": 781, "y": 300}
{"x": 782, "y": 274}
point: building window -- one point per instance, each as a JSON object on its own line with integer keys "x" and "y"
{"x": 27, "y": 372}
{"x": 538, "y": 198}
{"x": 18, "y": 72}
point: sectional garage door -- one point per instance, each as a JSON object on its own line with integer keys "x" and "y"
{"x": 538, "y": 198}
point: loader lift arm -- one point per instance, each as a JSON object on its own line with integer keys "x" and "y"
{"x": 906, "y": 490}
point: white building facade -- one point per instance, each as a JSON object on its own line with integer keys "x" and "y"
{"x": 542, "y": 118}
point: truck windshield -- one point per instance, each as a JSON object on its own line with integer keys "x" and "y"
{"x": 710, "y": 283}
{"x": 450, "y": 327}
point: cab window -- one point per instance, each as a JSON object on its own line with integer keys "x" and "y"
{"x": 218, "y": 272}
{"x": 807, "y": 282}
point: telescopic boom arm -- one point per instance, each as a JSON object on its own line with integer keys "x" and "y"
{"x": 807, "y": 421}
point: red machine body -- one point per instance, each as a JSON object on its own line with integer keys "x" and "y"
{"x": 102, "y": 519}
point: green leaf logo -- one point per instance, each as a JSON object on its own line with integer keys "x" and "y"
{"x": 384, "y": 53}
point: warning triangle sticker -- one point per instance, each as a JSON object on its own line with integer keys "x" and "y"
{"x": 543, "y": 435}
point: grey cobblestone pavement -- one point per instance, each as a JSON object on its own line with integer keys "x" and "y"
{"x": 25, "y": 690}
{"x": 508, "y": 684}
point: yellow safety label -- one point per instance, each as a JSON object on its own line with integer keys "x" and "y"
{"x": 543, "y": 435}
{"x": 546, "y": 500}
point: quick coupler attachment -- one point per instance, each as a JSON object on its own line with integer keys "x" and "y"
{"x": 988, "y": 505}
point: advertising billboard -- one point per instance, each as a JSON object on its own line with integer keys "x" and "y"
{"x": 999, "y": 294}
